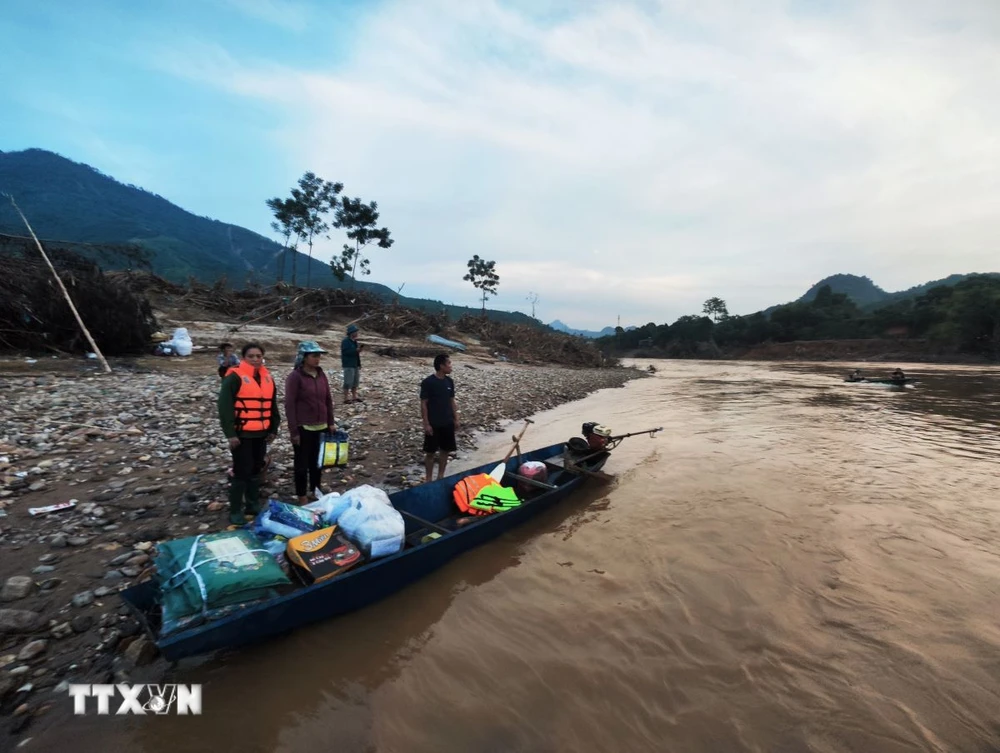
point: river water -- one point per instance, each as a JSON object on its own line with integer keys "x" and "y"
{"x": 794, "y": 564}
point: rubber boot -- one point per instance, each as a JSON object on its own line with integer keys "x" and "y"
{"x": 237, "y": 489}
{"x": 252, "y": 494}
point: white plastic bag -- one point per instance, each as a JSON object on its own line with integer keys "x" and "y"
{"x": 331, "y": 506}
{"x": 372, "y": 522}
{"x": 181, "y": 342}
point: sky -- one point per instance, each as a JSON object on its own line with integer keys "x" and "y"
{"x": 624, "y": 161}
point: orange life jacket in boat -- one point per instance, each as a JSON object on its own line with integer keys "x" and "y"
{"x": 254, "y": 402}
{"x": 468, "y": 488}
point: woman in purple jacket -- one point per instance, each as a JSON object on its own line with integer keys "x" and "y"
{"x": 309, "y": 410}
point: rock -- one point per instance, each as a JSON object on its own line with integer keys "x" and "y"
{"x": 62, "y": 630}
{"x": 106, "y": 496}
{"x": 7, "y": 684}
{"x": 153, "y": 533}
{"x": 83, "y": 599}
{"x": 121, "y": 559}
{"x": 144, "y": 546}
{"x": 216, "y": 506}
{"x": 131, "y": 572}
{"x": 114, "y": 575}
{"x": 42, "y": 569}
{"x": 20, "y": 671}
{"x": 19, "y": 621}
{"x": 37, "y": 486}
{"x": 148, "y": 489}
{"x": 76, "y": 540}
{"x": 103, "y": 591}
{"x": 81, "y": 623}
{"x": 128, "y": 628}
{"x": 49, "y": 583}
{"x": 17, "y": 587}
{"x": 30, "y": 650}
{"x": 46, "y": 558}
{"x": 140, "y": 651}
{"x": 58, "y": 541}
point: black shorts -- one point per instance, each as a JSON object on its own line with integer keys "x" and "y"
{"x": 442, "y": 439}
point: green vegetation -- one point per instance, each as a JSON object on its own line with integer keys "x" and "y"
{"x": 73, "y": 203}
{"x": 482, "y": 274}
{"x": 965, "y": 315}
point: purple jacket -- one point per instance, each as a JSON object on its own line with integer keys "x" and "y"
{"x": 307, "y": 400}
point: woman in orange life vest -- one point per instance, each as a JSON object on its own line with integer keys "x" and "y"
{"x": 248, "y": 412}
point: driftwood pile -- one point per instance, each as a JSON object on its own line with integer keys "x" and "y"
{"x": 525, "y": 344}
{"x": 310, "y": 309}
{"x": 34, "y": 315}
{"x": 313, "y": 309}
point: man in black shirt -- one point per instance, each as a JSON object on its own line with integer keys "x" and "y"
{"x": 440, "y": 416}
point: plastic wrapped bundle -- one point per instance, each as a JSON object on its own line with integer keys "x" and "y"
{"x": 204, "y": 578}
{"x": 281, "y": 519}
{"x": 372, "y": 522}
{"x": 181, "y": 342}
{"x": 330, "y": 506}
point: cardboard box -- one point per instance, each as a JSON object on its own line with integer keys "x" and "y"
{"x": 321, "y": 555}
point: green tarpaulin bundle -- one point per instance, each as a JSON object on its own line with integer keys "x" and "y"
{"x": 203, "y": 578}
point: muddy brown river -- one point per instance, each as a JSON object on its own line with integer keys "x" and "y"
{"x": 794, "y": 564}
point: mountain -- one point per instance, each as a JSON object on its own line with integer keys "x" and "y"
{"x": 69, "y": 201}
{"x": 560, "y": 327}
{"x": 867, "y": 295}
{"x": 861, "y": 290}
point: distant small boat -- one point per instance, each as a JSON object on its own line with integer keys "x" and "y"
{"x": 887, "y": 382}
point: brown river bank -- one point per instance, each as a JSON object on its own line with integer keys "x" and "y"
{"x": 795, "y": 564}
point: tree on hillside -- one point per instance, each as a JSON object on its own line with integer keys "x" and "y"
{"x": 312, "y": 199}
{"x": 360, "y": 220}
{"x": 283, "y": 225}
{"x": 482, "y": 274}
{"x": 715, "y": 308}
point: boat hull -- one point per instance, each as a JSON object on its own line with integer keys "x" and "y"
{"x": 364, "y": 585}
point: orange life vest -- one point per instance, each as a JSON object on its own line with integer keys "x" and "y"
{"x": 254, "y": 402}
{"x": 468, "y": 488}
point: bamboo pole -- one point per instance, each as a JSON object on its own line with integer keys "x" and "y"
{"x": 76, "y": 314}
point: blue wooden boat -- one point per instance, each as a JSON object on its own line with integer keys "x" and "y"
{"x": 425, "y": 509}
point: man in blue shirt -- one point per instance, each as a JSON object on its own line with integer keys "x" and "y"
{"x": 350, "y": 361}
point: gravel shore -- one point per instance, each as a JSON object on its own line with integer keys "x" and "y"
{"x": 141, "y": 453}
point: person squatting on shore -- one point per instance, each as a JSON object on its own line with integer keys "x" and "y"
{"x": 226, "y": 359}
{"x": 309, "y": 412}
{"x": 440, "y": 416}
{"x": 248, "y": 413}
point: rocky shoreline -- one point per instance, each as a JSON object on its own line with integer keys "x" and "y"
{"x": 141, "y": 455}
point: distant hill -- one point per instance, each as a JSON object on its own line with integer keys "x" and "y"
{"x": 861, "y": 290}
{"x": 867, "y": 295}
{"x": 69, "y": 201}
{"x": 560, "y": 327}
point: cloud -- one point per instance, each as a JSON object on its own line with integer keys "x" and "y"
{"x": 639, "y": 158}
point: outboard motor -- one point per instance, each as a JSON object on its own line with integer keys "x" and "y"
{"x": 596, "y": 435}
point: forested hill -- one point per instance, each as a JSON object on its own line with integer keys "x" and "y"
{"x": 69, "y": 201}
{"x": 867, "y": 295}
